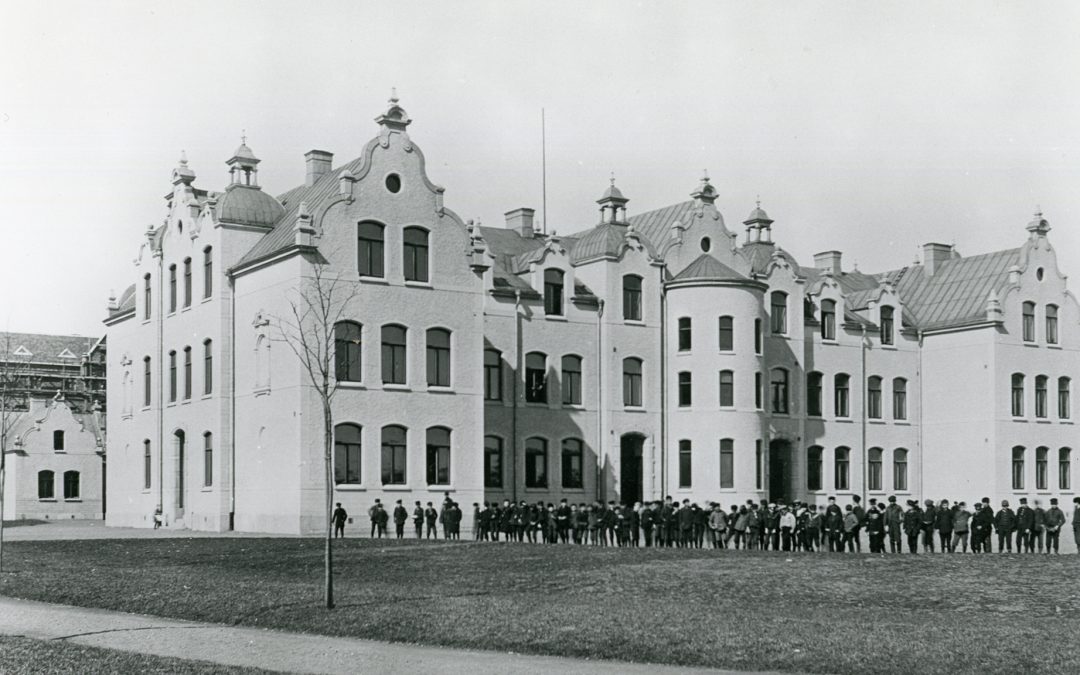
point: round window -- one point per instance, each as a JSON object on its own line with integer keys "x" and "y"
{"x": 706, "y": 244}
{"x": 1039, "y": 274}
{"x": 393, "y": 183}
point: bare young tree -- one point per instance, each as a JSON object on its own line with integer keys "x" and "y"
{"x": 14, "y": 371}
{"x": 308, "y": 328}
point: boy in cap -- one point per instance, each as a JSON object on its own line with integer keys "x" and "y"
{"x": 418, "y": 519}
{"x": 913, "y": 525}
{"x": 961, "y": 526}
{"x": 1025, "y": 521}
{"x": 1035, "y": 539}
{"x": 1005, "y": 523}
{"x": 1055, "y": 518}
{"x": 943, "y": 521}
{"x": 929, "y": 518}
{"x": 894, "y": 524}
{"x": 400, "y": 516}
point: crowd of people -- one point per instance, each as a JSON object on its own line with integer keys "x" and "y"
{"x": 948, "y": 527}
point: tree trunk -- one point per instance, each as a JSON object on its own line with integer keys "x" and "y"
{"x": 328, "y": 458}
{"x": 3, "y": 480}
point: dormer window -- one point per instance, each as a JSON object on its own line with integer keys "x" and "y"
{"x": 553, "y": 292}
{"x": 778, "y": 316}
{"x": 828, "y": 319}
{"x": 886, "y": 325}
{"x": 631, "y": 284}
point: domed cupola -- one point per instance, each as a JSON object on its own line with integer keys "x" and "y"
{"x": 1039, "y": 226}
{"x": 705, "y": 192}
{"x": 758, "y": 226}
{"x": 613, "y": 205}
{"x": 244, "y": 202}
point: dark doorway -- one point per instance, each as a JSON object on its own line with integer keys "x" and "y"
{"x": 180, "y": 469}
{"x": 779, "y": 471}
{"x": 630, "y": 468}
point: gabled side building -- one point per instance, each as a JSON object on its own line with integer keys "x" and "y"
{"x": 645, "y": 355}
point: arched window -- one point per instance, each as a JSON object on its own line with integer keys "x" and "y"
{"x": 631, "y": 297}
{"x": 208, "y": 367}
{"x": 262, "y": 362}
{"x": 899, "y": 398}
{"x": 187, "y": 282}
{"x": 841, "y": 395}
{"x": 172, "y": 376}
{"x": 1051, "y": 324}
{"x": 727, "y": 334}
{"x": 1018, "y": 467}
{"x": 553, "y": 292}
{"x": 536, "y": 463}
{"x": 147, "y": 463}
{"x": 841, "y": 468}
{"x": 1042, "y": 468}
{"x": 571, "y": 380}
{"x": 208, "y": 459}
{"x": 1029, "y": 321}
{"x": 828, "y": 319}
{"x": 685, "y": 463}
{"x": 1017, "y": 395}
{"x": 394, "y": 453}
{"x": 493, "y": 462}
{"x": 187, "y": 373}
{"x": 900, "y": 482}
{"x": 778, "y": 316}
{"x": 686, "y": 389}
{"x": 686, "y": 334}
{"x": 45, "y": 485}
{"x": 58, "y": 440}
{"x": 632, "y": 375}
{"x": 813, "y": 467}
{"x": 1064, "y": 469}
{"x": 348, "y": 352}
{"x": 147, "y": 295}
{"x": 71, "y": 485}
{"x": 1064, "y": 407}
{"x": 208, "y": 272}
{"x": 147, "y": 389}
{"x": 727, "y": 389}
{"x": 370, "y": 238}
{"x": 1040, "y": 396}
{"x": 873, "y": 397}
{"x": 780, "y": 403}
{"x": 172, "y": 288}
{"x": 536, "y": 377}
{"x": 393, "y": 354}
{"x": 573, "y": 463}
{"x": 874, "y": 469}
{"x": 813, "y": 394}
{"x": 727, "y": 463}
{"x": 492, "y": 375}
{"x": 438, "y": 456}
{"x": 347, "y": 444}
{"x": 886, "y": 325}
{"x": 415, "y": 249}
{"x": 438, "y": 357}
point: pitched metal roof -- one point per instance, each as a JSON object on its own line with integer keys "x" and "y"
{"x": 708, "y": 267}
{"x": 606, "y": 239}
{"x": 45, "y": 348}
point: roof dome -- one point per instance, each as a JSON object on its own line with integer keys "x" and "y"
{"x": 758, "y": 214}
{"x": 244, "y": 152}
{"x": 248, "y": 206}
{"x": 612, "y": 194}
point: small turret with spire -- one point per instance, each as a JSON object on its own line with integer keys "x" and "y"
{"x": 182, "y": 174}
{"x": 705, "y": 193}
{"x": 613, "y": 204}
{"x": 758, "y": 226}
{"x": 1039, "y": 226}
{"x": 395, "y": 116}
{"x": 243, "y": 165}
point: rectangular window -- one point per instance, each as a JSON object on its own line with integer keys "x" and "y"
{"x": 393, "y": 354}
{"x": 45, "y": 488}
{"x": 813, "y": 468}
{"x": 727, "y": 463}
{"x": 347, "y": 444}
{"x": 780, "y": 392}
{"x": 886, "y": 325}
{"x": 840, "y": 396}
{"x": 438, "y": 357}
{"x": 147, "y": 389}
{"x": 758, "y": 336}
{"x": 438, "y": 456}
{"x": 493, "y": 462}
{"x": 147, "y": 462}
{"x": 147, "y": 294}
{"x": 1018, "y": 468}
{"x": 873, "y": 398}
{"x": 632, "y": 382}
{"x": 684, "y": 464}
{"x": 172, "y": 288}
{"x": 1064, "y": 469}
{"x": 1051, "y": 324}
{"x": 536, "y": 463}
{"x": 208, "y": 272}
{"x": 208, "y": 368}
{"x": 874, "y": 470}
{"x": 370, "y": 250}
{"x": 172, "y": 377}
{"x": 813, "y": 394}
{"x": 828, "y": 320}
{"x": 727, "y": 334}
{"x": 1017, "y": 395}
{"x": 535, "y": 378}
{"x": 900, "y": 483}
{"x": 727, "y": 389}
{"x": 841, "y": 468}
{"x": 187, "y": 282}
{"x": 1042, "y": 469}
{"x": 631, "y": 297}
{"x": 208, "y": 460}
{"x": 492, "y": 375}
{"x": 415, "y": 250}
{"x": 778, "y": 317}
{"x": 1029, "y": 321}
{"x": 1064, "y": 409}
{"x": 1040, "y": 396}
{"x": 759, "y": 465}
{"x": 58, "y": 440}
{"x": 899, "y": 399}
{"x": 685, "y": 334}
{"x": 571, "y": 380}
{"x": 572, "y": 464}
{"x": 685, "y": 390}
{"x": 394, "y": 455}
{"x": 759, "y": 392}
{"x": 553, "y": 292}
{"x": 187, "y": 373}
{"x": 71, "y": 485}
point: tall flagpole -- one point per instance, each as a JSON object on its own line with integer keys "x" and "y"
{"x": 543, "y": 169}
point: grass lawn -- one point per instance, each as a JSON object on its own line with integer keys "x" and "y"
{"x": 743, "y": 610}
{"x": 24, "y": 655}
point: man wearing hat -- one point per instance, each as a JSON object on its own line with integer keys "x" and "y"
{"x": 961, "y": 526}
{"x": 1035, "y": 539}
{"x": 894, "y": 524}
{"x": 913, "y": 525}
{"x": 860, "y": 515}
{"x": 1076, "y": 522}
{"x": 1025, "y": 522}
{"x": 986, "y": 522}
{"x": 1055, "y": 518}
{"x": 834, "y": 526}
{"x": 1005, "y": 523}
{"x": 929, "y": 519}
{"x": 943, "y": 522}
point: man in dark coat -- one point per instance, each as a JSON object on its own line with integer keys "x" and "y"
{"x": 418, "y": 520}
{"x": 667, "y": 524}
{"x": 913, "y": 525}
{"x": 894, "y": 525}
{"x": 943, "y": 522}
{"x": 1005, "y": 524}
{"x": 686, "y": 525}
{"x": 860, "y": 514}
{"x": 1025, "y": 521}
{"x": 340, "y": 516}
{"x": 1055, "y": 519}
{"x": 834, "y": 526}
{"x": 431, "y": 517}
{"x": 381, "y": 517}
{"x": 987, "y": 523}
{"x": 929, "y": 520}
{"x": 1038, "y": 529}
{"x": 633, "y": 518}
{"x": 648, "y": 515}
{"x": 400, "y": 516}
{"x": 562, "y": 521}
{"x": 875, "y": 530}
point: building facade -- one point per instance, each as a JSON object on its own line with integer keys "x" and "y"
{"x": 648, "y": 355}
{"x": 52, "y": 416}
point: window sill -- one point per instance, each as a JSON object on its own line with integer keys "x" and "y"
{"x": 60, "y": 451}
{"x": 1042, "y": 421}
{"x": 902, "y": 423}
{"x": 349, "y": 384}
{"x": 1065, "y": 421}
{"x": 373, "y": 280}
{"x": 573, "y": 490}
{"x": 50, "y": 500}
{"x": 186, "y": 401}
{"x": 262, "y": 391}
{"x": 206, "y": 397}
{"x": 350, "y": 487}
{"x": 633, "y": 322}
{"x": 781, "y": 415}
{"x": 418, "y": 284}
{"x": 396, "y": 387}
{"x": 73, "y": 500}
{"x": 186, "y": 308}
{"x": 726, "y": 408}
{"x": 536, "y": 404}
{"x": 146, "y": 321}
{"x": 555, "y": 317}
{"x": 573, "y": 406}
{"x": 438, "y": 389}
{"x": 1031, "y": 344}
{"x": 891, "y": 346}
{"x": 145, "y": 408}
{"x": 875, "y": 421}
{"x": 441, "y": 488}
{"x": 726, "y": 352}
{"x": 830, "y": 341}
{"x": 170, "y": 404}
{"x": 681, "y": 352}
{"x": 206, "y": 300}
{"x": 537, "y": 489}
{"x": 397, "y": 488}
{"x": 1019, "y": 419}
{"x": 844, "y": 420}
{"x": 126, "y": 416}
{"x": 1053, "y": 346}
{"x": 206, "y": 488}
{"x": 634, "y": 408}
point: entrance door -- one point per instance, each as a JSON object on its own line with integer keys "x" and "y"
{"x": 630, "y": 468}
{"x": 779, "y": 471}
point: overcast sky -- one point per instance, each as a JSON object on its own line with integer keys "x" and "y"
{"x": 866, "y": 127}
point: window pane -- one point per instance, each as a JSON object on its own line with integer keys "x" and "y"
{"x": 347, "y": 351}
{"x": 493, "y": 462}
{"x": 727, "y": 334}
{"x": 684, "y": 464}
{"x": 536, "y": 378}
{"x": 553, "y": 292}
{"x": 685, "y": 334}
{"x": 572, "y": 464}
{"x": 571, "y": 380}
{"x": 492, "y": 375}
{"x": 632, "y": 297}
{"x": 727, "y": 463}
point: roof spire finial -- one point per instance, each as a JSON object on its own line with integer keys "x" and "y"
{"x": 759, "y": 201}
{"x": 243, "y": 137}
{"x": 613, "y": 178}
{"x": 705, "y": 176}
{"x": 393, "y": 95}
{"x": 183, "y": 158}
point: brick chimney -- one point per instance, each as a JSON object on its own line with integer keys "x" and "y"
{"x": 319, "y": 162}
{"x": 934, "y": 255}
{"x": 828, "y": 261}
{"x": 521, "y": 221}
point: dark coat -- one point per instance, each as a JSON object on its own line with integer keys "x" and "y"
{"x": 943, "y": 520}
{"x": 1005, "y": 521}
